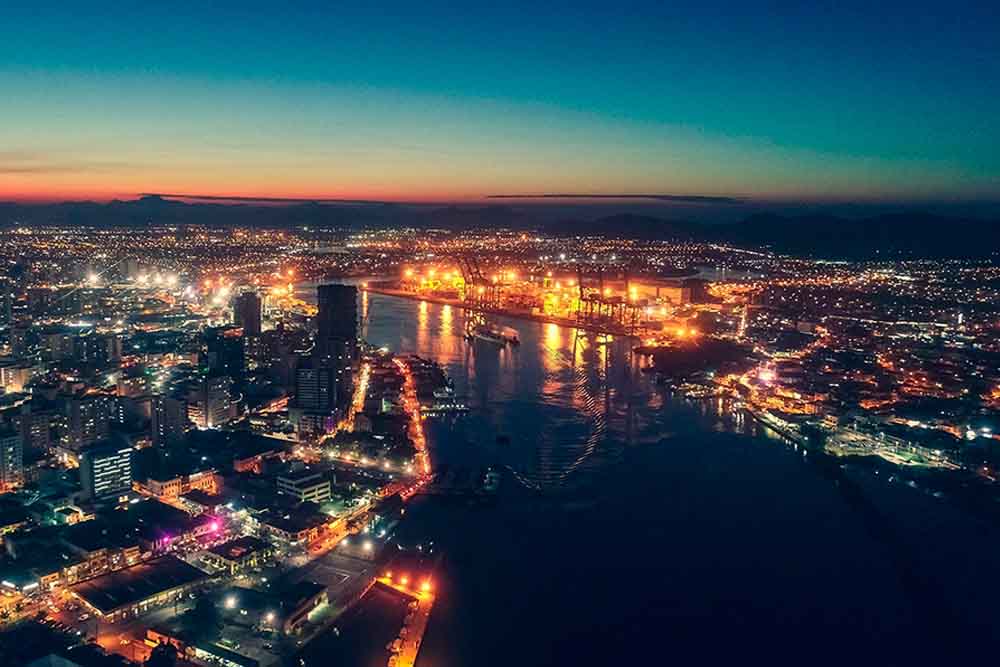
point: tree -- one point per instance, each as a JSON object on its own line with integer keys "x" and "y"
{"x": 164, "y": 655}
{"x": 202, "y": 622}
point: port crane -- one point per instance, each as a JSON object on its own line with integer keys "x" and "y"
{"x": 481, "y": 294}
{"x": 598, "y": 308}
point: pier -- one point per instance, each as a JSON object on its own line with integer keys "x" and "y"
{"x": 411, "y": 635}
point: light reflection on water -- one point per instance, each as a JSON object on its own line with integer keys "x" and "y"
{"x": 569, "y": 402}
{"x": 727, "y": 520}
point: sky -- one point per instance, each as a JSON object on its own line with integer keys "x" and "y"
{"x": 428, "y": 101}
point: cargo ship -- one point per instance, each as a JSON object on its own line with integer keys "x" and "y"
{"x": 492, "y": 334}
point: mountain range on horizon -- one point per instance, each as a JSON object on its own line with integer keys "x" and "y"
{"x": 916, "y": 233}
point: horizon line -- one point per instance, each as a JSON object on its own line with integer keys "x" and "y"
{"x": 697, "y": 199}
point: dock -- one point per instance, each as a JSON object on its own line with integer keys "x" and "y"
{"x": 414, "y": 626}
{"x": 568, "y": 322}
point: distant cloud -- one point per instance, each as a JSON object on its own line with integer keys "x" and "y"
{"x": 262, "y": 200}
{"x": 27, "y": 162}
{"x": 46, "y": 169}
{"x": 696, "y": 199}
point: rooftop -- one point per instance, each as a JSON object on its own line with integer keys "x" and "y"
{"x": 241, "y": 547}
{"x": 113, "y": 591}
{"x": 295, "y": 520}
{"x": 97, "y": 534}
{"x": 203, "y": 498}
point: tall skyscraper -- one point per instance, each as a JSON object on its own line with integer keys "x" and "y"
{"x": 247, "y": 313}
{"x": 337, "y": 321}
{"x": 11, "y": 457}
{"x": 106, "y": 470}
{"x": 337, "y": 335}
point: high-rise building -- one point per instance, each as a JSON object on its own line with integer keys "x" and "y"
{"x": 313, "y": 411}
{"x": 224, "y": 352}
{"x": 88, "y": 417}
{"x": 15, "y": 373}
{"x": 106, "y": 470}
{"x": 15, "y": 415}
{"x": 247, "y": 312}
{"x": 337, "y": 322}
{"x": 43, "y": 420}
{"x": 20, "y": 340}
{"x": 209, "y": 403}
{"x": 11, "y": 458}
{"x": 133, "y": 383}
{"x": 6, "y": 302}
{"x": 337, "y": 335}
{"x": 58, "y": 343}
{"x": 169, "y": 420}
{"x": 98, "y": 349}
{"x": 315, "y": 387}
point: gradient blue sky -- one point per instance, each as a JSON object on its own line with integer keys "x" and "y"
{"x": 422, "y": 101}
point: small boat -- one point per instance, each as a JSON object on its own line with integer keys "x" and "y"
{"x": 491, "y": 481}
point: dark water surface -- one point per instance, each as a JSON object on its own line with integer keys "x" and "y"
{"x": 640, "y": 528}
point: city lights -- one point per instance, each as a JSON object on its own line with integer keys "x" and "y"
{"x": 216, "y": 357}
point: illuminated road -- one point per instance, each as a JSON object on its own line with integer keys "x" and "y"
{"x": 412, "y": 407}
{"x": 357, "y": 400}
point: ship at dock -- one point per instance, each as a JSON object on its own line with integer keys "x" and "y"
{"x": 478, "y": 329}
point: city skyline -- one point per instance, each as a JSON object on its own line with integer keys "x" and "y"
{"x": 768, "y": 104}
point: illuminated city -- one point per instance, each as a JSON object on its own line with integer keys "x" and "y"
{"x": 416, "y": 335}
{"x": 206, "y": 423}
